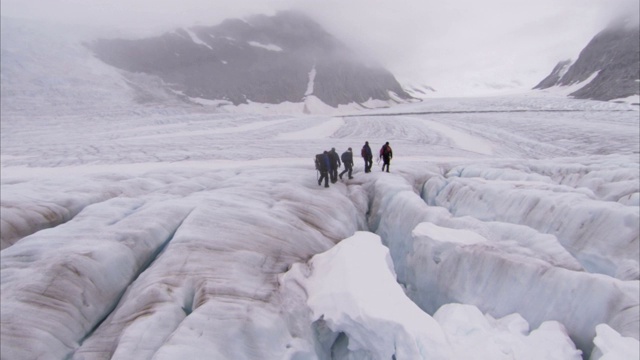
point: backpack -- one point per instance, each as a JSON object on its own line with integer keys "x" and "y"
{"x": 345, "y": 157}
{"x": 319, "y": 161}
{"x": 385, "y": 150}
{"x": 366, "y": 152}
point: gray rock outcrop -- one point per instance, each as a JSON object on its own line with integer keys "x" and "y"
{"x": 614, "y": 54}
{"x": 265, "y": 59}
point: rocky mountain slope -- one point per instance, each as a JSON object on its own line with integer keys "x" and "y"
{"x": 265, "y": 59}
{"x": 612, "y": 58}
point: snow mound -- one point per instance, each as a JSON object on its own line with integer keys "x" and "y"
{"x": 351, "y": 295}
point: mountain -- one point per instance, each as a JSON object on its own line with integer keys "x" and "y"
{"x": 611, "y": 62}
{"x": 265, "y": 59}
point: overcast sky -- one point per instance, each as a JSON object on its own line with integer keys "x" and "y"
{"x": 471, "y": 46}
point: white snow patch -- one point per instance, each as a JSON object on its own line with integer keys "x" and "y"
{"x": 457, "y": 236}
{"x": 312, "y": 76}
{"x": 311, "y": 105}
{"x": 251, "y": 107}
{"x": 609, "y": 345}
{"x": 462, "y": 139}
{"x": 633, "y": 99}
{"x": 196, "y": 39}
{"x": 209, "y": 102}
{"x": 323, "y": 130}
{"x": 219, "y": 130}
{"x": 351, "y": 289}
{"x": 270, "y": 47}
{"x": 564, "y": 69}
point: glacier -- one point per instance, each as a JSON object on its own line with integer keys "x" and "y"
{"x": 507, "y": 228}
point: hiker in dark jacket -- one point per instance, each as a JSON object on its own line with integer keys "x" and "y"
{"x": 335, "y": 164}
{"x": 324, "y": 166}
{"x": 367, "y": 155}
{"x": 347, "y": 160}
{"x": 386, "y": 154}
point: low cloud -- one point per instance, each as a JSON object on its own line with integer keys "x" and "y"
{"x": 445, "y": 44}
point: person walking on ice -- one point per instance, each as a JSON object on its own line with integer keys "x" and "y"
{"x": 386, "y": 154}
{"x": 367, "y": 155}
{"x": 323, "y": 164}
{"x": 347, "y": 161}
{"x": 334, "y": 158}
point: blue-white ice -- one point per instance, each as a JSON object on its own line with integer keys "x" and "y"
{"x": 162, "y": 231}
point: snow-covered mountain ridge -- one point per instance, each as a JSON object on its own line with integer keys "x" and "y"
{"x": 265, "y": 59}
{"x": 608, "y": 68}
{"x": 48, "y": 65}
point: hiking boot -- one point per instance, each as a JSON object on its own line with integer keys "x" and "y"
{"x": 326, "y": 185}
{"x": 350, "y": 177}
{"x": 340, "y": 176}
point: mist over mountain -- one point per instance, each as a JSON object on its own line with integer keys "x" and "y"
{"x": 611, "y": 61}
{"x": 265, "y": 59}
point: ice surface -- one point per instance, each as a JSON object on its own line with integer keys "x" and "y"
{"x": 223, "y": 261}
{"x": 351, "y": 292}
{"x": 610, "y": 345}
{"x": 59, "y": 283}
{"x": 539, "y": 291}
{"x": 162, "y": 230}
{"x": 500, "y": 267}
{"x": 574, "y": 215}
{"x": 478, "y": 336}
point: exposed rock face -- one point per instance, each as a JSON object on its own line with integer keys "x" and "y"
{"x": 556, "y": 75}
{"x": 614, "y": 54}
{"x": 264, "y": 59}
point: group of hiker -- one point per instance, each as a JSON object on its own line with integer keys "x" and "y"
{"x": 328, "y": 162}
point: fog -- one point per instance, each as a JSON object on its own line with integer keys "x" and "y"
{"x": 457, "y": 47}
